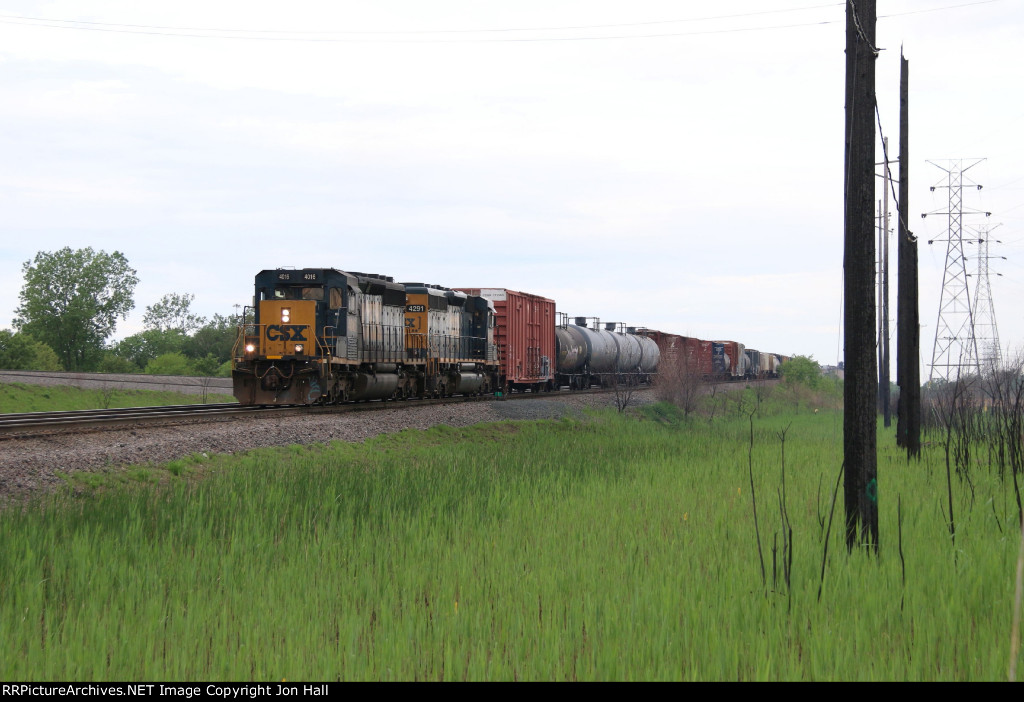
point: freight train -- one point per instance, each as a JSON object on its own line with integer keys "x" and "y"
{"x": 322, "y": 335}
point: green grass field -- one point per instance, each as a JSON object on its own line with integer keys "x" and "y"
{"x": 614, "y": 548}
{"x": 20, "y": 397}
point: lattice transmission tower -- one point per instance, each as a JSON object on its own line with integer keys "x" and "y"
{"x": 955, "y": 351}
{"x": 986, "y": 331}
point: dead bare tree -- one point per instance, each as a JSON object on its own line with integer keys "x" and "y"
{"x": 624, "y": 387}
{"x": 205, "y": 382}
{"x": 950, "y": 406}
{"x": 762, "y": 391}
{"x": 974, "y": 416}
{"x": 679, "y": 383}
{"x": 107, "y": 392}
{"x": 1003, "y": 416}
{"x": 712, "y": 403}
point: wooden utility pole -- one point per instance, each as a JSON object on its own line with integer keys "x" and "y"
{"x": 861, "y": 381}
{"x": 883, "y": 307}
{"x": 908, "y": 328}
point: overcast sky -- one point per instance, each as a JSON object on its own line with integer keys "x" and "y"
{"x": 676, "y": 165}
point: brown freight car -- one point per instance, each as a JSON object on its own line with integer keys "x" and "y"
{"x": 525, "y": 336}
{"x": 684, "y": 354}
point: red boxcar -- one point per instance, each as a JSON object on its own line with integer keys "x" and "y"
{"x": 525, "y": 336}
{"x": 686, "y": 353}
{"x": 698, "y": 354}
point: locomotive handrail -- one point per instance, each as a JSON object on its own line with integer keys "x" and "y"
{"x": 416, "y": 346}
{"x": 242, "y": 340}
{"x": 322, "y": 348}
{"x": 384, "y": 343}
{"x": 446, "y": 347}
{"x": 328, "y": 343}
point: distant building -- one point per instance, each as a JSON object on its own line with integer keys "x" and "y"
{"x": 834, "y": 371}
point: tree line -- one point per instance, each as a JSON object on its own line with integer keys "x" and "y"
{"x": 70, "y": 303}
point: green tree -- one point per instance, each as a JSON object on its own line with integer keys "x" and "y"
{"x": 71, "y": 300}
{"x": 112, "y": 363}
{"x": 21, "y": 352}
{"x": 143, "y": 347}
{"x": 207, "y": 366}
{"x": 169, "y": 364}
{"x": 216, "y": 337}
{"x": 803, "y": 370}
{"x": 173, "y": 312}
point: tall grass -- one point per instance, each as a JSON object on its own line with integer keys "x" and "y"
{"x": 616, "y": 548}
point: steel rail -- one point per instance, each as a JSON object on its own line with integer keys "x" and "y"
{"x": 29, "y": 424}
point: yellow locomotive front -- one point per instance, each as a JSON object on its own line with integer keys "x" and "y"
{"x": 291, "y": 335}
{"x": 281, "y": 356}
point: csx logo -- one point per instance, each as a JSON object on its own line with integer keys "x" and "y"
{"x": 285, "y": 332}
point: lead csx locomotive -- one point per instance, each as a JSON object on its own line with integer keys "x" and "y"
{"x": 320, "y": 335}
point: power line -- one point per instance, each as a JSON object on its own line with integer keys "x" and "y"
{"x": 410, "y": 35}
{"x": 937, "y": 9}
{"x": 431, "y": 31}
{"x": 343, "y": 40}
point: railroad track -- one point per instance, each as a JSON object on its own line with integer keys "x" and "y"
{"x": 34, "y": 424}
{"x": 38, "y": 423}
{"x": 193, "y": 385}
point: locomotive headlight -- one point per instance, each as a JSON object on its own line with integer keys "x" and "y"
{"x": 250, "y": 348}
{"x": 298, "y": 348}
{"x": 286, "y": 314}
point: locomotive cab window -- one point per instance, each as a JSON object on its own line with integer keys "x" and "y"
{"x": 294, "y": 293}
{"x": 337, "y": 300}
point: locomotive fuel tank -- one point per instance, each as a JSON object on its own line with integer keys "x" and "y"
{"x": 374, "y": 387}
{"x": 467, "y": 383}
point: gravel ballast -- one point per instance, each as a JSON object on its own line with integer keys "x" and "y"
{"x": 32, "y": 465}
